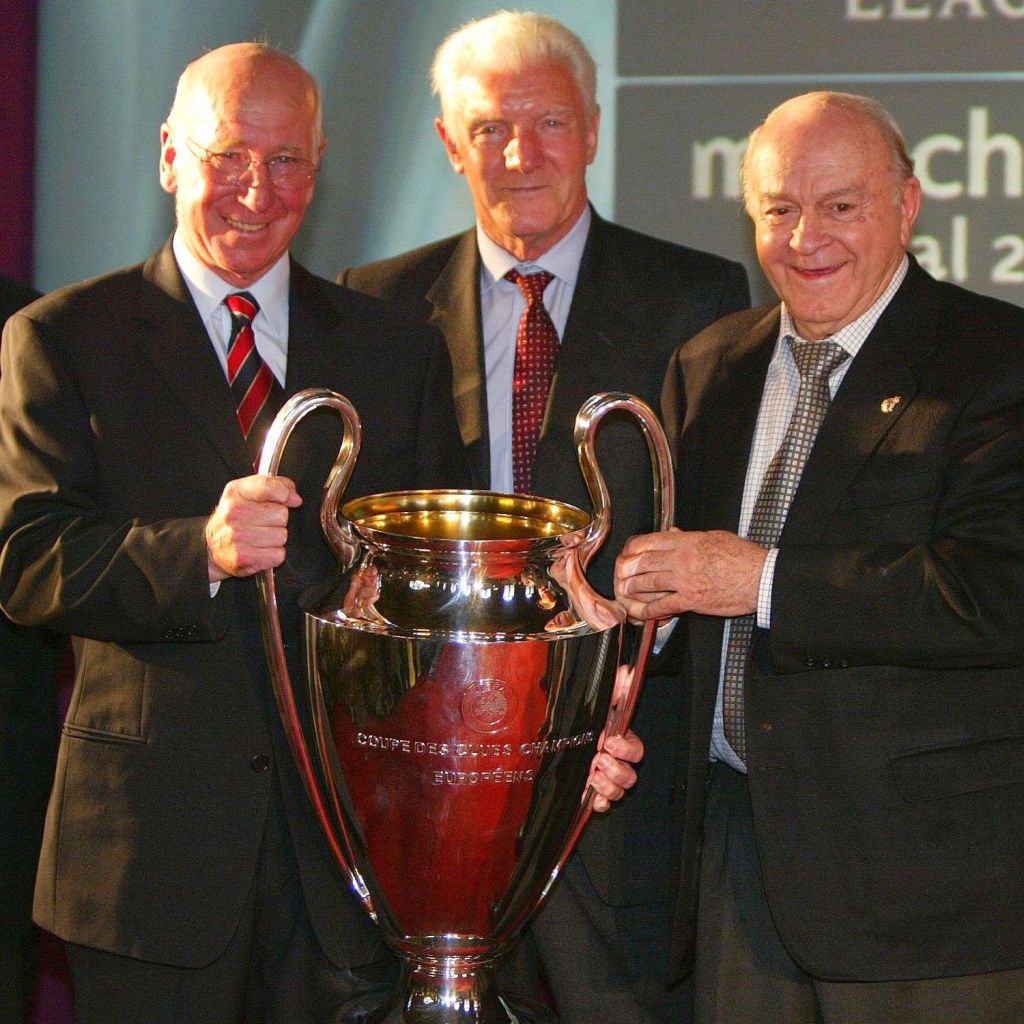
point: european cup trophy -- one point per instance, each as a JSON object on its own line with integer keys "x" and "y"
{"x": 458, "y": 679}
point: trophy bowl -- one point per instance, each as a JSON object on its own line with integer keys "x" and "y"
{"x": 460, "y": 673}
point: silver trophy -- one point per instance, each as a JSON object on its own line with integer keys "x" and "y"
{"x": 459, "y": 677}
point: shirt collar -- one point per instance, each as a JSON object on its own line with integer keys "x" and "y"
{"x": 209, "y": 291}
{"x": 853, "y": 335}
{"x": 562, "y": 259}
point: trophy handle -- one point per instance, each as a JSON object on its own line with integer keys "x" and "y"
{"x": 342, "y": 540}
{"x": 593, "y": 410}
{"x": 619, "y": 713}
{"x": 337, "y": 530}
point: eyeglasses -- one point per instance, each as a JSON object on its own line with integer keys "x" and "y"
{"x": 231, "y": 166}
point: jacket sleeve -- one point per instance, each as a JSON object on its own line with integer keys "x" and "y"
{"x": 70, "y": 557}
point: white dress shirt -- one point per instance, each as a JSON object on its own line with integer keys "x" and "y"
{"x": 270, "y": 292}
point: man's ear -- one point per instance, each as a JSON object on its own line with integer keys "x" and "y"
{"x": 449, "y": 145}
{"x": 168, "y": 152}
{"x": 910, "y": 206}
{"x": 592, "y": 131}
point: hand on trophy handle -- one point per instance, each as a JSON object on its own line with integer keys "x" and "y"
{"x": 611, "y": 771}
{"x": 675, "y": 571}
{"x": 248, "y": 530}
{"x": 291, "y": 413}
{"x": 598, "y": 611}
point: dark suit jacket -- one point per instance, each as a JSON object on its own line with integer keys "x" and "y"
{"x": 117, "y": 437}
{"x": 885, "y": 705}
{"x": 28, "y": 733}
{"x": 636, "y": 298}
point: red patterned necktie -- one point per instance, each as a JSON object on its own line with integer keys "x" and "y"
{"x": 257, "y": 393}
{"x": 536, "y": 355}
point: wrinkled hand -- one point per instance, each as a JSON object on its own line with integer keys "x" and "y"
{"x": 712, "y": 573}
{"x": 611, "y": 771}
{"x": 248, "y": 530}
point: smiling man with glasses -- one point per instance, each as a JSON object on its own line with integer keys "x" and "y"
{"x": 266, "y": 135}
{"x": 181, "y": 861}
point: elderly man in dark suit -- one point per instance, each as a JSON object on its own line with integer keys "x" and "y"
{"x": 28, "y": 751}
{"x": 181, "y": 862}
{"x": 850, "y": 576}
{"x": 519, "y": 120}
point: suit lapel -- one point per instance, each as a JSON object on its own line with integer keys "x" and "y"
{"x": 314, "y": 355}
{"x": 887, "y": 366}
{"x": 599, "y": 343}
{"x": 173, "y": 338}
{"x": 455, "y": 298}
{"x": 718, "y": 440}
{"x": 724, "y": 386}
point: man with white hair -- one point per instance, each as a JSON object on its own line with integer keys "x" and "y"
{"x": 543, "y": 303}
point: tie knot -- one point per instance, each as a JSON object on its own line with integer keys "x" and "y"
{"x": 531, "y": 285}
{"x": 242, "y": 304}
{"x": 817, "y": 359}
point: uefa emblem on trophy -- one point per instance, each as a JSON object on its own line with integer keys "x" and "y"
{"x": 458, "y": 678}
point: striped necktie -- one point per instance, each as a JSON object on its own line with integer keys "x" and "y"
{"x": 257, "y": 394}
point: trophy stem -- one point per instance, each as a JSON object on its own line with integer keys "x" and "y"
{"x": 459, "y": 995}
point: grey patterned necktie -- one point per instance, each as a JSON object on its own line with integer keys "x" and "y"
{"x": 815, "y": 360}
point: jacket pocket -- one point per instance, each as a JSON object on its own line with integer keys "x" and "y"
{"x": 883, "y": 490}
{"x": 101, "y": 735}
{"x": 110, "y": 697}
{"x": 938, "y": 772}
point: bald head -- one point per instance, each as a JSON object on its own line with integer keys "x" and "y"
{"x": 239, "y": 151}
{"x": 217, "y": 78}
{"x": 868, "y": 114}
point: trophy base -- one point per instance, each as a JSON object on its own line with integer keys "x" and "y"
{"x": 514, "y": 1013}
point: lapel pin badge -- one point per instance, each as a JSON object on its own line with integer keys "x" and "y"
{"x": 888, "y": 404}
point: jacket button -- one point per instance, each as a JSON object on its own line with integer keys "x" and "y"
{"x": 809, "y": 662}
{"x": 259, "y": 762}
{"x": 767, "y": 726}
{"x": 826, "y": 663}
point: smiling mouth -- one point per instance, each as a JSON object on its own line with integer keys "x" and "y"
{"x": 242, "y": 226}
{"x": 525, "y": 188}
{"x": 816, "y": 272}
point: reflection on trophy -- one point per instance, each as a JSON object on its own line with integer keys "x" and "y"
{"x": 460, "y": 672}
